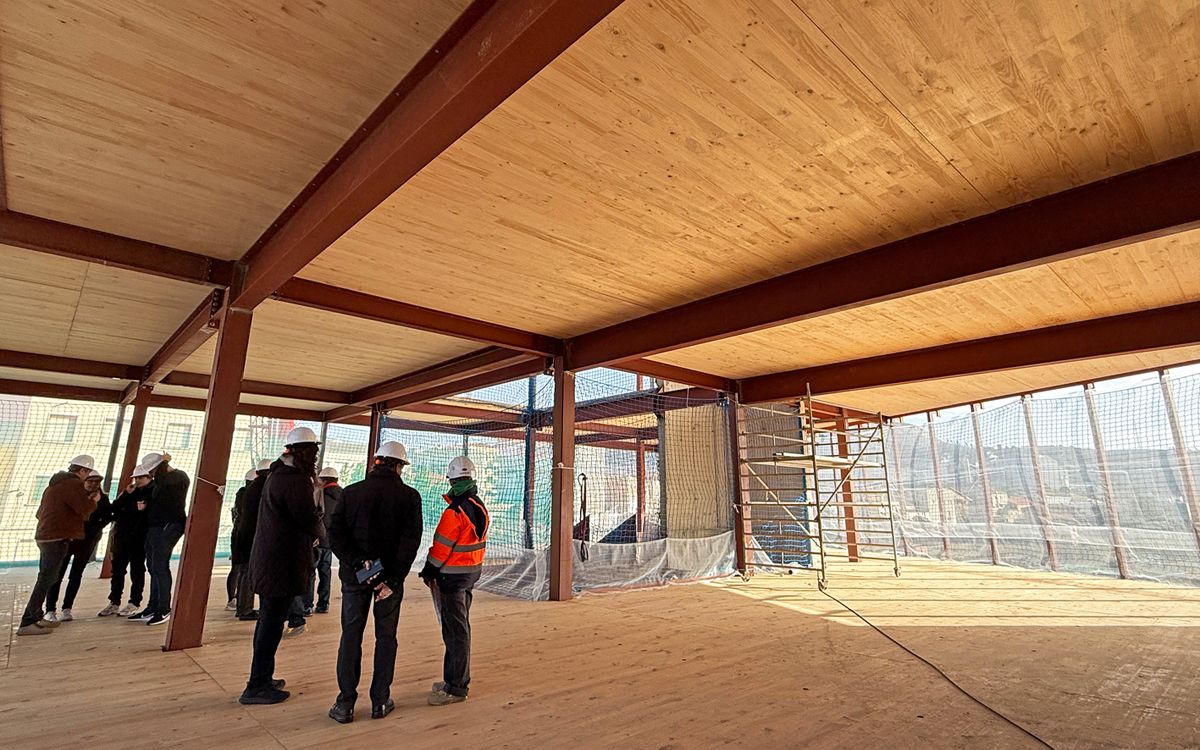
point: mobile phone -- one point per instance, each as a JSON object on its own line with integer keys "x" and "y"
{"x": 364, "y": 575}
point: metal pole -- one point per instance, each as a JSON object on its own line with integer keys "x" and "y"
{"x": 741, "y": 511}
{"x": 811, "y": 428}
{"x": 640, "y": 468}
{"x": 887, "y": 488}
{"x": 1041, "y": 511}
{"x": 186, "y": 627}
{"x": 937, "y": 486}
{"x": 373, "y": 435}
{"x": 562, "y": 484}
{"x": 106, "y": 566}
{"x": 985, "y": 484}
{"x": 530, "y": 463}
{"x": 1190, "y": 495}
{"x": 1110, "y": 498}
{"x": 900, "y": 508}
{"x": 843, "y": 444}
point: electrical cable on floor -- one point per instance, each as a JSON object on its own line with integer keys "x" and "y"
{"x": 937, "y": 669}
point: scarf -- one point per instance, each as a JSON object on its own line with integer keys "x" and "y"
{"x": 461, "y": 486}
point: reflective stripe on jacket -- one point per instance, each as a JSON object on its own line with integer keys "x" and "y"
{"x": 461, "y": 536}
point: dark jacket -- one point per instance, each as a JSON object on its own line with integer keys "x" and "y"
{"x": 93, "y": 527}
{"x": 65, "y": 505}
{"x": 288, "y": 522}
{"x": 168, "y": 499}
{"x": 378, "y": 518}
{"x": 129, "y": 523}
{"x": 246, "y": 506}
{"x": 333, "y": 496}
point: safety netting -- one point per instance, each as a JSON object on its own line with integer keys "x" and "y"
{"x": 1101, "y": 482}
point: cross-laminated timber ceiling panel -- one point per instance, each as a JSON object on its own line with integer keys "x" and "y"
{"x": 304, "y": 346}
{"x": 192, "y": 124}
{"x": 1142, "y": 276}
{"x": 685, "y": 148}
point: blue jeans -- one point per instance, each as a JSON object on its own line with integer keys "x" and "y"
{"x": 160, "y": 543}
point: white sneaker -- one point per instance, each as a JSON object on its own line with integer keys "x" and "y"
{"x": 109, "y": 610}
{"x": 66, "y": 615}
{"x": 129, "y": 609}
{"x": 231, "y": 606}
{"x": 51, "y": 616}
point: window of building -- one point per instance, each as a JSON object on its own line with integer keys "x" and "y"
{"x": 40, "y": 483}
{"x": 59, "y": 428}
{"x": 178, "y": 437}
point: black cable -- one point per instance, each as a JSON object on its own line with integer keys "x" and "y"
{"x": 937, "y": 669}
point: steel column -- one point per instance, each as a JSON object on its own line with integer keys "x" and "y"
{"x": 373, "y": 434}
{"x": 843, "y": 443}
{"x": 1188, "y": 479}
{"x": 1110, "y": 497}
{"x": 186, "y": 627}
{"x": 639, "y": 522}
{"x": 985, "y": 485}
{"x": 937, "y": 487}
{"x": 529, "y": 496}
{"x": 1041, "y": 511}
{"x": 741, "y": 510}
{"x": 106, "y": 566}
{"x": 562, "y": 484}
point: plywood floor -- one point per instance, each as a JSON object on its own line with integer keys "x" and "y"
{"x": 770, "y": 663}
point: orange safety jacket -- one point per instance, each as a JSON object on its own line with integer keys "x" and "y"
{"x": 461, "y": 536}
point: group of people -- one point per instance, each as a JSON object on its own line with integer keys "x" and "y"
{"x": 292, "y": 519}
{"x": 147, "y": 517}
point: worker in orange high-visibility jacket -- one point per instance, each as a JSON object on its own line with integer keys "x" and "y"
{"x": 451, "y": 571}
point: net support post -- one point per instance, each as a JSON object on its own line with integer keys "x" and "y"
{"x": 529, "y": 497}
{"x": 1187, "y": 479}
{"x": 562, "y": 484}
{"x": 186, "y": 627}
{"x": 901, "y": 511}
{"x": 937, "y": 487}
{"x": 1041, "y": 510}
{"x": 1110, "y": 498}
{"x": 985, "y": 487}
{"x": 741, "y": 511}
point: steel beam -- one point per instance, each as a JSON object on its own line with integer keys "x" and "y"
{"x": 482, "y": 380}
{"x": 494, "y": 49}
{"x": 1149, "y": 330}
{"x": 54, "y": 390}
{"x": 676, "y": 374}
{"x": 190, "y": 336}
{"x": 186, "y": 627}
{"x": 263, "y": 388}
{"x": 68, "y": 365}
{"x": 1156, "y": 201}
{"x": 369, "y": 307}
{"x": 253, "y": 410}
{"x": 562, "y": 484}
{"x": 476, "y": 363}
{"x": 56, "y": 238}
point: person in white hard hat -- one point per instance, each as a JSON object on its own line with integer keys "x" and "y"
{"x": 166, "y": 514}
{"x": 65, "y": 506}
{"x": 236, "y": 569}
{"x": 129, "y": 545}
{"x": 376, "y": 527}
{"x": 451, "y": 571}
{"x": 80, "y": 552}
{"x": 281, "y": 556}
{"x": 317, "y": 595}
{"x": 243, "y": 539}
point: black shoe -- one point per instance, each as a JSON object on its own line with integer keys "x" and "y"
{"x": 278, "y": 684}
{"x": 322, "y": 610}
{"x": 308, "y": 611}
{"x": 263, "y": 696}
{"x": 342, "y": 713}
{"x": 159, "y": 619}
{"x": 250, "y": 616}
{"x": 378, "y": 712}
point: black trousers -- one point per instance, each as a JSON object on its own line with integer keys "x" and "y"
{"x": 320, "y": 578}
{"x": 129, "y": 555}
{"x": 357, "y": 601}
{"x": 52, "y": 558}
{"x": 245, "y": 590}
{"x": 231, "y": 581}
{"x": 452, "y": 598}
{"x": 160, "y": 543}
{"x": 272, "y": 613}
{"x": 79, "y": 554}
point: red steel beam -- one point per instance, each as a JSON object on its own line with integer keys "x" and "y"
{"x": 369, "y": 307}
{"x": 1156, "y": 201}
{"x": 675, "y": 374}
{"x": 190, "y": 336}
{"x": 464, "y": 412}
{"x": 494, "y": 49}
{"x": 1162, "y": 328}
{"x": 253, "y": 410}
{"x": 56, "y": 238}
{"x": 481, "y": 380}
{"x": 480, "y": 362}
{"x": 54, "y": 390}
{"x": 68, "y": 365}
{"x": 263, "y": 388}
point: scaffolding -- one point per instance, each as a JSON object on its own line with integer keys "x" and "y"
{"x": 813, "y": 483}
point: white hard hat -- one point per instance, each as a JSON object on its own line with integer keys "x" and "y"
{"x": 251, "y": 475}
{"x": 393, "y": 449}
{"x": 83, "y": 460}
{"x": 329, "y": 473}
{"x": 263, "y": 465}
{"x": 140, "y": 471}
{"x": 301, "y": 435}
{"x": 152, "y": 460}
{"x": 93, "y": 474}
{"x": 460, "y": 467}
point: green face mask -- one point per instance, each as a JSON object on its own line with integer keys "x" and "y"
{"x": 461, "y": 486}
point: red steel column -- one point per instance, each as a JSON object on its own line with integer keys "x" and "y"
{"x": 1110, "y": 497}
{"x": 562, "y": 484}
{"x": 133, "y": 451}
{"x": 1041, "y": 511}
{"x": 1188, "y": 480}
{"x": 186, "y": 628}
{"x": 937, "y": 486}
{"x": 373, "y": 435}
{"x": 985, "y": 484}
{"x": 843, "y": 442}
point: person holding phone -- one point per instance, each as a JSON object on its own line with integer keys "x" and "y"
{"x": 375, "y": 531}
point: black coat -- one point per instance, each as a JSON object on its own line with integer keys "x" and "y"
{"x": 378, "y": 518}
{"x": 333, "y": 496}
{"x": 93, "y": 527}
{"x": 288, "y": 523}
{"x": 246, "y": 520}
{"x": 168, "y": 498}
{"x": 129, "y": 523}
